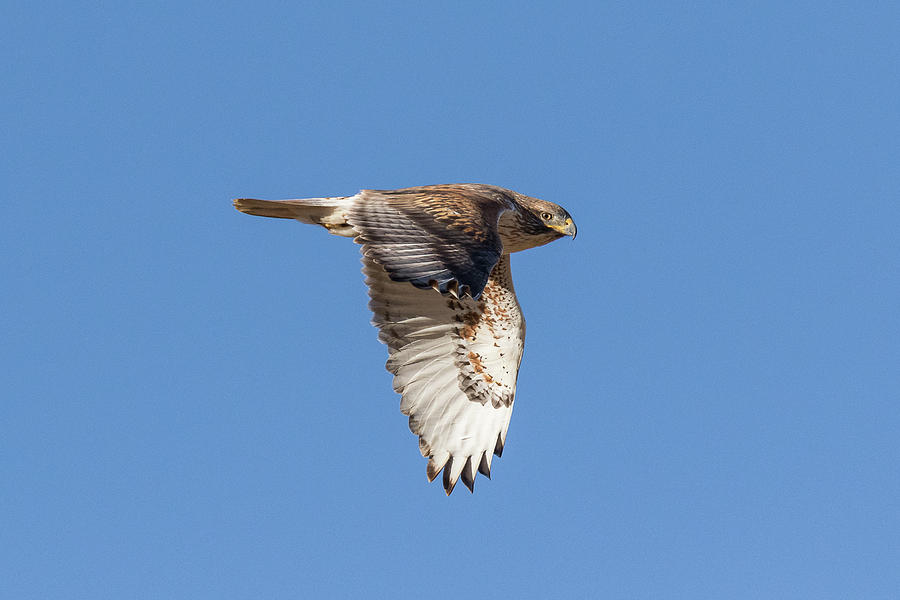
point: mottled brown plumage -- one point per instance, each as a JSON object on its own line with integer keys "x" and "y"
{"x": 456, "y": 334}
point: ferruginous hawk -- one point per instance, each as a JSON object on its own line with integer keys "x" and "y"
{"x": 436, "y": 261}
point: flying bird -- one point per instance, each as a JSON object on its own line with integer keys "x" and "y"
{"x": 436, "y": 261}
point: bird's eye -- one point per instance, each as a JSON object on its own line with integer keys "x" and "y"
{"x": 546, "y": 216}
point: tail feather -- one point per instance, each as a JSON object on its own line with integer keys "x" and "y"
{"x": 330, "y": 213}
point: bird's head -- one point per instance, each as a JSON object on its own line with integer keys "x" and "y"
{"x": 550, "y": 216}
{"x": 558, "y": 219}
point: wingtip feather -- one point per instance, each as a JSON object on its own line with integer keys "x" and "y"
{"x": 434, "y": 467}
{"x": 484, "y": 467}
{"x": 449, "y": 483}
{"x": 468, "y": 475}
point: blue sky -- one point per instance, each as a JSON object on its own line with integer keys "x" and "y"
{"x": 194, "y": 403}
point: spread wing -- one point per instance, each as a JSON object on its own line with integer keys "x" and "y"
{"x": 439, "y": 236}
{"x": 455, "y": 363}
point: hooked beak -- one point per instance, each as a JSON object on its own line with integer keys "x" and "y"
{"x": 567, "y": 228}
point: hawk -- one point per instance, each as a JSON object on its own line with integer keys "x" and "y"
{"x": 436, "y": 262}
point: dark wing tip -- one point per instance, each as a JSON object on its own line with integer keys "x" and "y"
{"x": 431, "y": 471}
{"x": 448, "y": 485}
{"x": 467, "y": 477}
{"x": 483, "y": 467}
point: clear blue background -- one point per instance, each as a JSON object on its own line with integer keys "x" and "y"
{"x": 195, "y": 406}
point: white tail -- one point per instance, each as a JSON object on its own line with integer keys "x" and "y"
{"x": 330, "y": 213}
